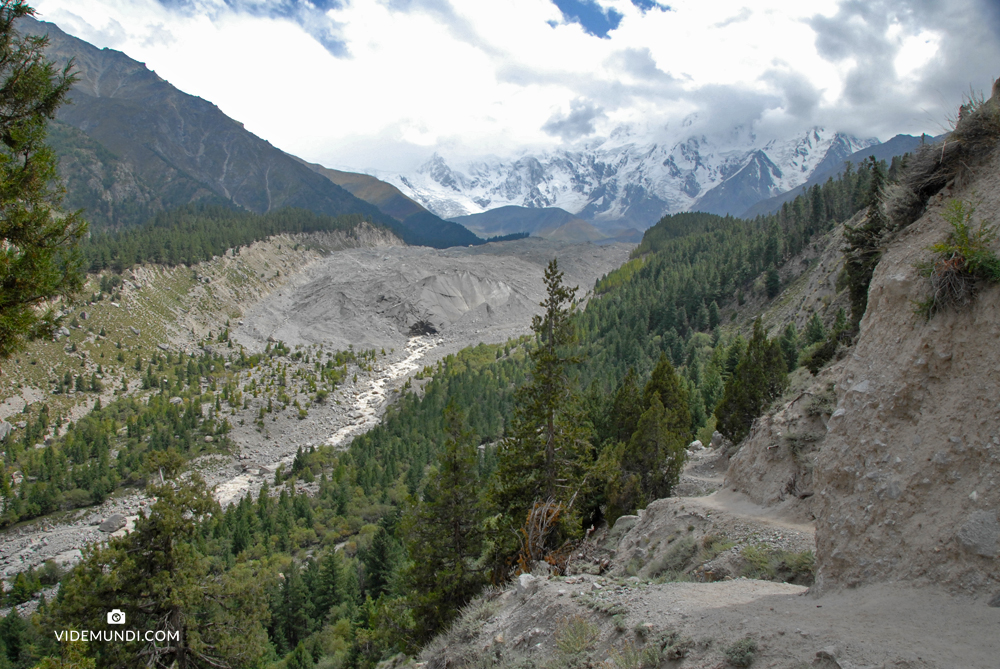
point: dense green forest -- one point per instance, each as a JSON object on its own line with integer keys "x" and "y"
{"x": 554, "y": 431}
{"x": 194, "y": 233}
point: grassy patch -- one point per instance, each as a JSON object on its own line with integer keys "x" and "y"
{"x": 670, "y": 565}
{"x": 602, "y": 605}
{"x": 741, "y": 653}
{"x": 575, "y": 637}
{"x": 770, "y": 564}
{"x": 962, "y": 262}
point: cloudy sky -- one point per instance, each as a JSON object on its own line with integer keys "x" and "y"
{"x": 380, "y": 84}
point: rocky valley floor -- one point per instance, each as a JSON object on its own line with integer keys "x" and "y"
{"x": 316, "y": 295}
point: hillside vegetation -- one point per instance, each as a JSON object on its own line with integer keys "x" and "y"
{"x": 195, "y": 233}
{"x": 629, "y": 380}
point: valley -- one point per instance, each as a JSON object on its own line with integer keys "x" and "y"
{"x": 316, "y": 295}
{"x": 689, "y": 376}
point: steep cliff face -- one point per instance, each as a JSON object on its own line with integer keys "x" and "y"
{"x": 907, "y": 478}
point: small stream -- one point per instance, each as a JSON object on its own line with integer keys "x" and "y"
{"x": 364, "y": 413}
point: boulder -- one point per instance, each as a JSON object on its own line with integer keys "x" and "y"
{"x": 526, "y": 584}
{"x": 68, "y": 558}
{"x": 980, "y": 534}
{"x": 114, "y": 522}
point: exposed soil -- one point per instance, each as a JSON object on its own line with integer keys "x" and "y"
{"x": 693, "y": 624}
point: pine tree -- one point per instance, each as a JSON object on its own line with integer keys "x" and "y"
{"x": 865, "y": 241}
{"x": 332, "y": 589}
{"x": 15, "y": 640}
{"x": 758, "y": 380}
{"x": 300, "y": 658}
{"x": 626, "y": 408}
{"x": 159, "y": 575}
{"x": 713, "y": 315}
{"x": 444, "y": 534}
{"x": 772, "y": 283}
{"x": 38, "y": 257}
{"x": 665, "y": 383}
{"x": 647, "y": 467}
{"x": 379, "y": 560}
{"x": 789, "y": 343}
{"x": 546, "y": 454}
{"x": 296, "y": 623}
{"x": 815, "y": 330}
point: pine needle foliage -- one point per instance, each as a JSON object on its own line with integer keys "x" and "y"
{"x": 866, "y": 241}
{"x": 162, "y": 577}
{"x": 444, "y": 534}
{"x": 38, "y": 258}
{"x": 759, "y": 379}
{"x": 548, "y": 448}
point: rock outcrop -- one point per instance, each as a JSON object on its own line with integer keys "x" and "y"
{"x": 907, "y": 479}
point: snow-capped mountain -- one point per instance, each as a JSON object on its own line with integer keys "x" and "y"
{"x": 624, "y": 179}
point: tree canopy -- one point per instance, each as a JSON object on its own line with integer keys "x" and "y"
{"x": 37, "y": 244}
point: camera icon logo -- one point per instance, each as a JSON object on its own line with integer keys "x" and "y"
{"x": 116, "y": 617}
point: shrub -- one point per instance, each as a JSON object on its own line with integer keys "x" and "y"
{"x": 672, "y": 562}
{"x": 575, "y": 636}
{"x": 741, "y": 653}
{"x": 963, "y": 261}
{"x": 678, "y": 648}
{"x": 759, "y": 378}
{"x": 630, "y": 657}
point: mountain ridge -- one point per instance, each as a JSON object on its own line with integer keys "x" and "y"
{"x": 626, "y": 180}
{"x": 176, "y": 149}
{"x": 897, "y": 146}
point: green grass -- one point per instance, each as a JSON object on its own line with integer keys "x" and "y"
{"x": 961, "y": 262}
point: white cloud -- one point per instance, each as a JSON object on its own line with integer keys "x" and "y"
{"x": 389, "y": 81}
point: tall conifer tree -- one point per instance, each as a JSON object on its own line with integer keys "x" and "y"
{"x": 547, "y": 452}
{"x": 444, "y": 534}
{"x": 760, "y": 378}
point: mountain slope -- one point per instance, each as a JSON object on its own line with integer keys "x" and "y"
{"x": 510, "y": 219}
{"x": 177, "y": 149}
{"x": 756, "y": 180}
{"x": 415, "y": 220}
{"x": 827, "y": 169}
{"x": 98, "y": 181}
{"x": 389, "y": 199}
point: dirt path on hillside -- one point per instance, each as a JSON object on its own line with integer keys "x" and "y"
{"x": 875, "y": 627}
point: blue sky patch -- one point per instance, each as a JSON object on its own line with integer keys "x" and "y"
{"x": 594, "y": 19}
{"x": 646, "y": 5}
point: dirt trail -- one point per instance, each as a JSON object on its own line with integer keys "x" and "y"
{"x": 875, "y": 627}
{"x": 705, "y": 472}
{"x": 885, "y": 626}
{"x": 739, "y": 505}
